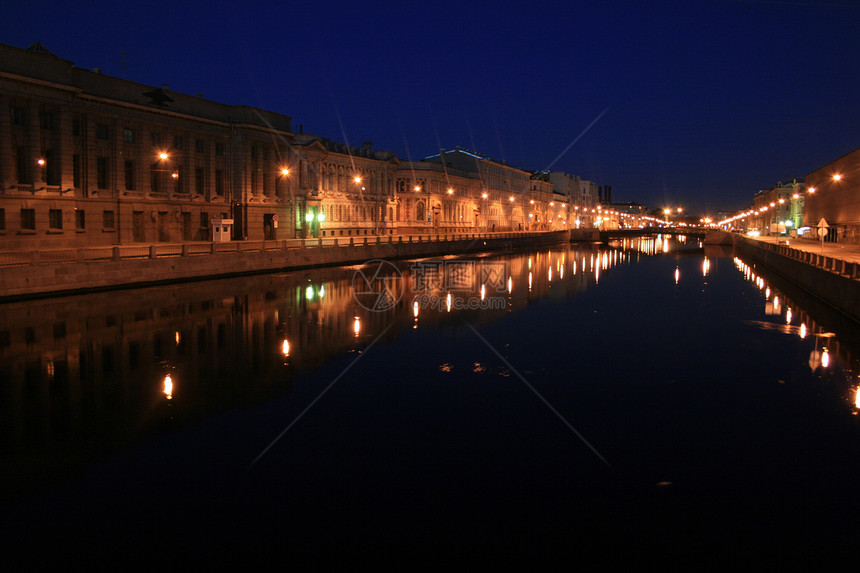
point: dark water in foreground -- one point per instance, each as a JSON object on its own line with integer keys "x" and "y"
{"x": 644, "y": 402}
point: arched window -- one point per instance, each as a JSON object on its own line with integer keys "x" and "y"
{"x": 419, "y": 211}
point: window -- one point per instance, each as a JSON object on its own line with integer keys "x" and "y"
{"x": 76, "y": 171}
{"x": 101, "y": 173}
{"x": 178, "y": 179}
{"x": 177, "y": 142}
{"x": 156, "y": 139}
{"x": 2, "y": 219}
{"x": 102, "y": 131}
{"x": 128, "y": 135}
{"x": 28, "y": 219}
{"x": 154, "y": 179}
{"x": 200, "y": 145}
{"x": 55, "y": 218}
{"x": 129, "y": 174}
{"x": 52, "y": 167}
{"x": 17, "y": 115}
{"x": 80, "y": 219}
{"x": 76, "y": 127}
{"x": 199, "y": 181}
{"x": 204, "y": 220}
{"x": 108, "y": 220}
{"x": 46, "y": 120}
{"x": 22, "y": 166}
{"x": 219, "y": 182}
{"x": 219, "y": 149}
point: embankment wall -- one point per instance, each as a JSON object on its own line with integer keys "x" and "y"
{"x": 38, "y": 280}
{"x": 830, "y": 284}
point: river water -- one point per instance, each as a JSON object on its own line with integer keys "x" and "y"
{"x": 648, "y": 400}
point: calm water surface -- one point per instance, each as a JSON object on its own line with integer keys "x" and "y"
{"x": 649, "y": 400}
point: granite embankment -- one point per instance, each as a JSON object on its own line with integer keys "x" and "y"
{"x": 39, "y": 274}
{"x": 830, "y": 272}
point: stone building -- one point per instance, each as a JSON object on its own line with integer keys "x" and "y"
{"x": 506, "y": 198}
{"x": 836, "y": 198}
{"x": 88, "y": 160}
{"x": 92, "y": 160}
{"x": 779, "y": 209}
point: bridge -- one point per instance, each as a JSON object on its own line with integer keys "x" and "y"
{"x": 608, "y": 234}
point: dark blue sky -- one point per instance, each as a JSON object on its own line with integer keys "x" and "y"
{"x": 700, "y": 103}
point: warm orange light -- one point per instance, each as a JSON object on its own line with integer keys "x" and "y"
{"x": 837, "y": 177}
{"x": 811, "y": 190}
{"x": 357, "y": 179}
{"x": 483, "y": 195}
{"x": 41, "y": 162}
{"x": 168, "y": 387}
{"x": 285, "y": 171}
{"x": 162, "y": 155}
{"x": 450, "y": 191}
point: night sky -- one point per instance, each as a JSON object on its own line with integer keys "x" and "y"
{"x": 692, "y": 103}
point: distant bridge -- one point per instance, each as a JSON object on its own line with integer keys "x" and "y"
{"x": 625, "y": 233}
{"x": 709, "y": 236}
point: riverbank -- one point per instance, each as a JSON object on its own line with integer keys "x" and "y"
{"x": 56, "y": 273}
{"x": 829, "y": 272}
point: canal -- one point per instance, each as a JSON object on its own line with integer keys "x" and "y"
{"x": 652, "y": 399}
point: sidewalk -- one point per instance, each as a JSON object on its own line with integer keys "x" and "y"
{"x": 839, "y": 251}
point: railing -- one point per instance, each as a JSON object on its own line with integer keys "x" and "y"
{"x": 840, "y": 267}
{"x": 163, "y": 250}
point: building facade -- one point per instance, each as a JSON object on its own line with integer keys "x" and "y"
{"x": 833, "y": 194}
{"x": 779, "y": 209}
{"x": 91, "y": 160}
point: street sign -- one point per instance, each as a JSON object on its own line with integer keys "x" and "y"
{"x": 822, "y": 228}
